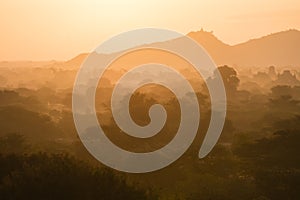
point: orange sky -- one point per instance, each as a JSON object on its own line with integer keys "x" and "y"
{"x": 57, "y": 29}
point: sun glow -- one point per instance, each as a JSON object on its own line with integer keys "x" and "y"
{"x": 39, "y": 30}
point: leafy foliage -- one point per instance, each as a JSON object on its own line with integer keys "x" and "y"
{"x": 58, "y": 176}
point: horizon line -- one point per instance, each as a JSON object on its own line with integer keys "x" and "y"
{"x": 202, "y": 29}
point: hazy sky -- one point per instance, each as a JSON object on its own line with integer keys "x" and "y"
{"x": 61, "y": 29}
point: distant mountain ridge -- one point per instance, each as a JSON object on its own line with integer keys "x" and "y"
{"x": 279, "y": 49}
